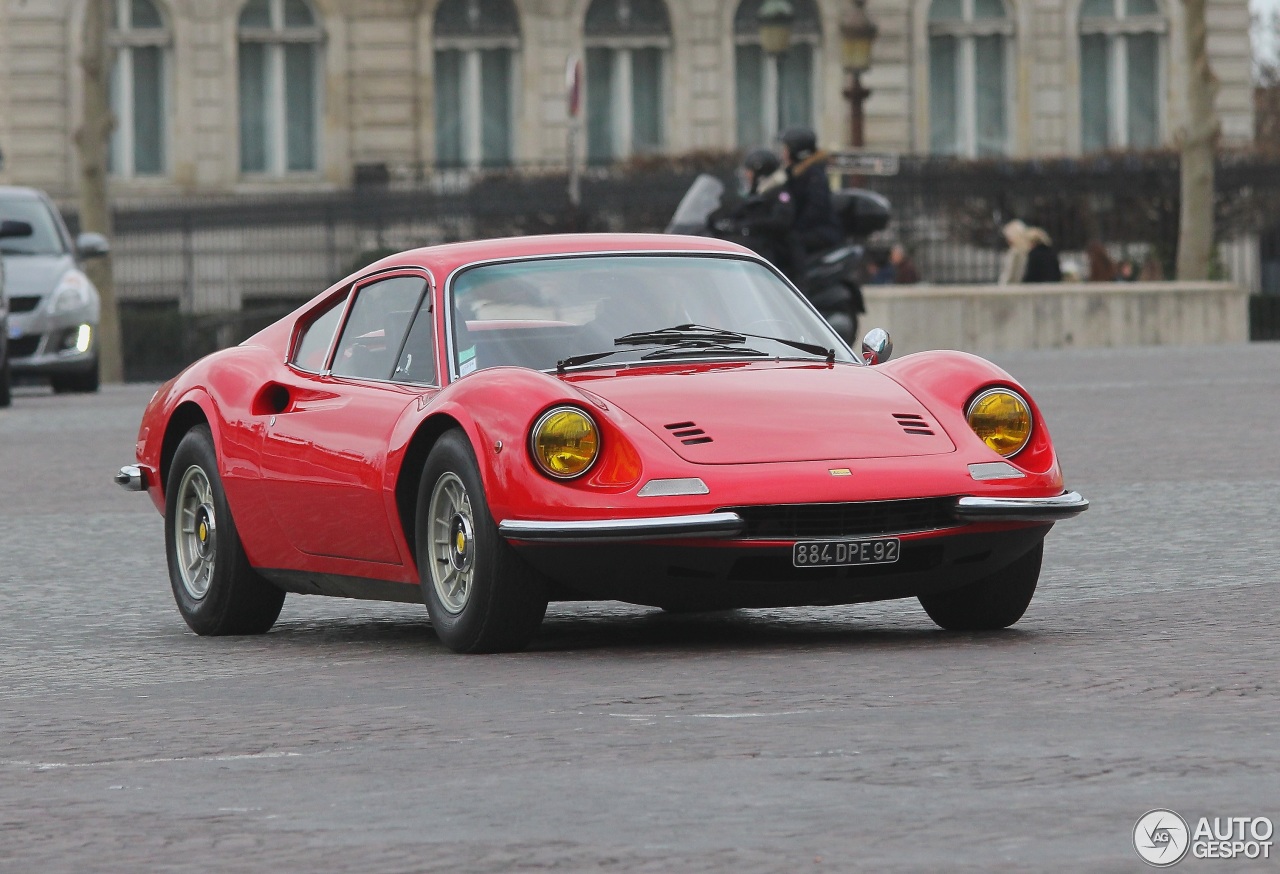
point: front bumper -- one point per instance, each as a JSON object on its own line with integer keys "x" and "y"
{"x": 43, "y": 344}
{"x": 728, "y": 525}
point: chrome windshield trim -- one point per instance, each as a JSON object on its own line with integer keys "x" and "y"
{"x": 1064, "y": 506}
{"x": 614, "y": 530}
{"x": 131, "y": 478}
{"x": 446, "y": 291}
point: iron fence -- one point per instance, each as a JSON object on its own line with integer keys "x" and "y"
{"x": 198, "y": 273}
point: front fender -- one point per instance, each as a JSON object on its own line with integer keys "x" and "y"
{"x": 496, "y": 408}
{"x": 946, "y": 380}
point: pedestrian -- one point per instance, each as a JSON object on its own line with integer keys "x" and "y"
{"x": 904, "y": 272}
{"x": 1042, "y": 258}
{"x": 1101, "y": 267}
{"x": 1014, "y": 265}
{"x": 1152, "y": 269}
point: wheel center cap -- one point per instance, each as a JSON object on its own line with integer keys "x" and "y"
{"x": 461, "y": 540}
{"x": 204, "y": 531}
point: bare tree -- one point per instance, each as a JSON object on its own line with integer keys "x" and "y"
{"x": 95, "y": 206}
{"x": 1199, "y": 143}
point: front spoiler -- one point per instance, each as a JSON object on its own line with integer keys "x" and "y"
{"x": 728, "y": 525}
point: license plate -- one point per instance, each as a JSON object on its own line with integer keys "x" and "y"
{"x": 829, "y": 553}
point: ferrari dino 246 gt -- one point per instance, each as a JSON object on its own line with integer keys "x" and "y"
{"x": 662, "y": 420}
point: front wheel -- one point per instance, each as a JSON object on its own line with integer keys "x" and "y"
{"x": 992, "y": 602}
{"x": 481, "y": 596}
{"x": 216, "y": 589}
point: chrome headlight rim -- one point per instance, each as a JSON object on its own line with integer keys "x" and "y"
{"x": 537, "y": 428}
{"x": 1005, "y": 390}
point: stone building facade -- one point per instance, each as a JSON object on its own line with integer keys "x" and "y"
{"x": 221, "y": 96}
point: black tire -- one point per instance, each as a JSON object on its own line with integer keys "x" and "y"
{"x": 481, "y": 596}
{"x": 85, "y": 382}
{"x": 991, "y": 603}
{"x": 6, "y": 391}
{"x": 220, "y": 594}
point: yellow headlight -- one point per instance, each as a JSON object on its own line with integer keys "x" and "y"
{"x": 565, "y": 442}
{"x": 1002, "y": 419}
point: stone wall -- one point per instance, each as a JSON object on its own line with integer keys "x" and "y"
{"x": 378, "y": 85}
{"x": 989, "y": 318}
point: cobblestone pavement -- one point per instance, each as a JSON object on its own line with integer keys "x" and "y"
{"x": 861, "y": 738}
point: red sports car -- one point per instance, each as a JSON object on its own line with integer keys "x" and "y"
{"x": 663, "y": 420}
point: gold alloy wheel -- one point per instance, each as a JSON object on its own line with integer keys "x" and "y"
{"x": 453, "y": 542}
{"x": 196, "y": 532}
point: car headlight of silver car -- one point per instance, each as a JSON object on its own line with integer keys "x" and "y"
{"x": 71, "y": 294}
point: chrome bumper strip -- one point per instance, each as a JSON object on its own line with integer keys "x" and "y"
{"x": 1063, "y": 506}
{"x": 613, "y": 530}
{"x": 131, "y": 479}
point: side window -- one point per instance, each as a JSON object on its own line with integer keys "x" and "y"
{"x": 376, "y": 327}
{"x": 313, "y": 345}
{"x": 417, "y": 361}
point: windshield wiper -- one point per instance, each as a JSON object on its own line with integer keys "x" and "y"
{"x": 680, "y": 334}
{"x": 693, "y": 340}
{"x": 684, "y": 333}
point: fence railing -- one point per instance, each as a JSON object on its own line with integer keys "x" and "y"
{"x": 196, "y": 273}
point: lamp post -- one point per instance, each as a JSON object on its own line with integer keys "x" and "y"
{"x": 857, "y": 33}
{"x": 776, "y": 18}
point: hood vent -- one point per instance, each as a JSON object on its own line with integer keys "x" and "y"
{"x": 688, "y": 433}
{"x": 913, "y": 424}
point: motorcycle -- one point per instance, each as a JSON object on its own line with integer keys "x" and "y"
{"x": 832, "y": 279}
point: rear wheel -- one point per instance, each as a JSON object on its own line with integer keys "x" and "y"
{"x": 993, "y": 602}
{"x": 83, "y": 382}
{"x": 216, "y": 590}
{"x": 481, "y": 596}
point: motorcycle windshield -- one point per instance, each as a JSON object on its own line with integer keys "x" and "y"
{"x": 702, "y": 198}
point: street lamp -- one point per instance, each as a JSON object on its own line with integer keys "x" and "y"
{"x": 776, "y": 18}
{"x": 857, "y": 33}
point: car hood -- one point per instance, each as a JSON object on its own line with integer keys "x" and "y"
{"x": 774, "y": 412}
{"x": 34, "y": 275}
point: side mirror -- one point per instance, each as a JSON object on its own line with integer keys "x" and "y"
{"x": 90, "y": 245}
{"x": 15, "y": 229}
{"x": 877, "y": 346}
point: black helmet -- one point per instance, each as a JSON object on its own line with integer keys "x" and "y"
{"x": 801, "y": 142}
{"x": 761, "y": 162}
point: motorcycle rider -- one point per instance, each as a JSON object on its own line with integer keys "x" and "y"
{"x": 762, "y": 219}
{"x": 816, "y": 226}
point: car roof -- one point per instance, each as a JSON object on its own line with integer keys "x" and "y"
{"x": 14, "y": 192}
{"x": 444, "y": 259}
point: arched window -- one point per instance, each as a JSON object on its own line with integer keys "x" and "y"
{"x": 970, "y": 44}
{"x": 139, "y": 89}
{"x": 279, "y": 43}
{"x": 627, "y": 43}
{"x": 774, "y": 91}
{"x": 475, "y": 47}
{"x": 1120, "y": 79}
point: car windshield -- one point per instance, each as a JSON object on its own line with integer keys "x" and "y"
{"x": 627, "y": 309}
{"x": 44, "y": 239}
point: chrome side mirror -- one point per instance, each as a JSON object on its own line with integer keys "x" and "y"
{"x": 90, "y": 245}
{"x": 877, "y": 346}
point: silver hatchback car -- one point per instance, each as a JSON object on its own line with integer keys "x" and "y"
{"x": 52, "y": 308}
